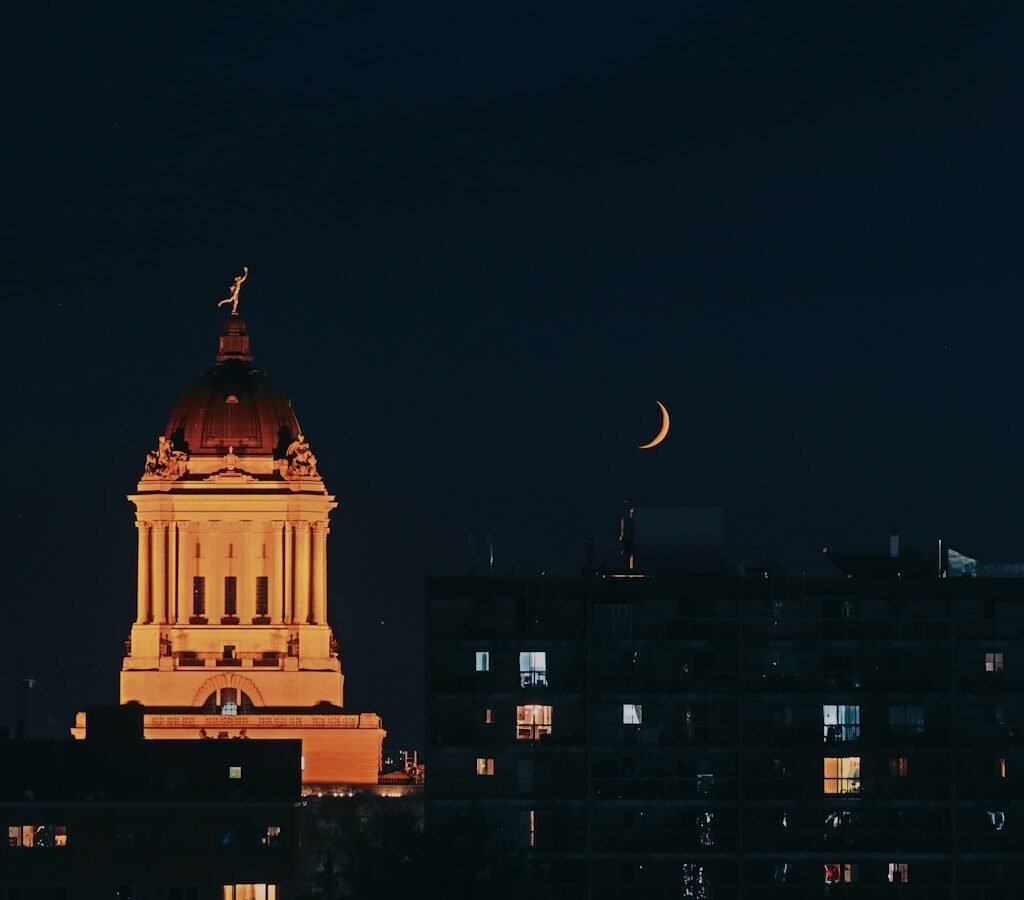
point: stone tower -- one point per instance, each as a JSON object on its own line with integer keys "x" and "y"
{"x": 231, "y": 637}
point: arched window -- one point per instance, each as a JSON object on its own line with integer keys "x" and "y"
{"x": 229, "y": 702}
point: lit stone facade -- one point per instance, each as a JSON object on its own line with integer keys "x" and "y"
{"x": 231, "y": 636}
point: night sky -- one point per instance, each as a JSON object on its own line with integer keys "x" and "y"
{"x": 482, "y": 242}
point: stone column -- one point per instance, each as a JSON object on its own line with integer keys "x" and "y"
{"x": 302, "y": 572}
{"x": 288, "y": 572}
{"x": 320, "y": 573}
{"x": 159, "y": 610}
{"x": 183, "y": 604}
{"x": 275, "y": 583}
{"x": 142, "y": 614}
{"x": 244, "y": 572}
{"x": 172, "y": 573}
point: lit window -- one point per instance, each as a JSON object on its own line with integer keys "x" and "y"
{"x": 44, "y": 836}
{"x": 483, "y": 660}
{"x": 704, "y": 822}
{"x": 906, "y": 719}
{"x": 837, "y": 826}
{"x": 273, "y": 836}
{"x": 839, "y": 873}
{"x": 528, "y": 827}
{"x": 632, "y": 713}
{"x": 1002, "y": 766}
{"x": 842, "y": 723}
{"x": 899, "y": 873}
{"x": 993, "y": 662}
{"x": 898, "y": 766}
{"x": 234, "y": 772}
{"x": 484, "y": 765}
{"x": 780, "y": 873}
{"x": 249, "y": 892}
{"x": 705, "y": 783}
{"x": 996, "y": 819}
{"x": 842, "y": 774}
{"x": 533, "y": 668}
{"x": 532, "y": 721}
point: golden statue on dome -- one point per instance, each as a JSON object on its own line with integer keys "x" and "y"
{"x": 235, "y": 288}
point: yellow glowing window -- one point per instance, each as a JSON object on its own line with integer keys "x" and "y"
{"x": 250, "y": 892}
{"x": 484, "y": 765}
{"x": 234, "y": 772}
{"x": 842, "y": 775}
{"x": 1002, "y": 766}
{"x": 37, "y": 836}
{"x": 532, "y": 721}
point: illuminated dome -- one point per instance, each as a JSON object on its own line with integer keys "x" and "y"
{"x": 233, "y": 405}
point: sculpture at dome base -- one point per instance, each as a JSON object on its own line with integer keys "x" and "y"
{"x": 299, "y": 460}
{"x": 165, "y": 462}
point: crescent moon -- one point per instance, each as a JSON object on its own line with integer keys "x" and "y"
{"x": 661, "y": 435}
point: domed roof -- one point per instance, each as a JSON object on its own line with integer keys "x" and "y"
{"x": 233, "y": 405}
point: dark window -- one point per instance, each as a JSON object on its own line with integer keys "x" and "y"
{"x": 230, "y": 595}
{"x": 199, "y": 595}
{"x": 262, "y": 596}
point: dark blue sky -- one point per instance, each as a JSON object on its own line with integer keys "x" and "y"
{"x": 482, "y": 242}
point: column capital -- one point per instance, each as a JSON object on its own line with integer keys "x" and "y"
{"x": 142, "y": 525}
{"x": 278, "y": 524}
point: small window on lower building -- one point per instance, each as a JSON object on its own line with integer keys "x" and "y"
{"x": 273, "y": 836}
{"x": 899, "y": 873}
{"x": 483, "y": 660}
{"x": 532, "y": 721}
{"x": 842, "y": 775}
{"x": 235, "y": 772}
{"x": 898, "y": 766}
{"x": 484, "y": 765}
{"x": 996, "y": 819}
{"x": 839, "y": 873}
{"x": 37, "y": 836}
{"x": 528, "y": 828}
{"x": 632, "y": 714}
{"x": 487, "y": 716}
{"x": 1002, "y": 767}
{"x": 993, "y": 662}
